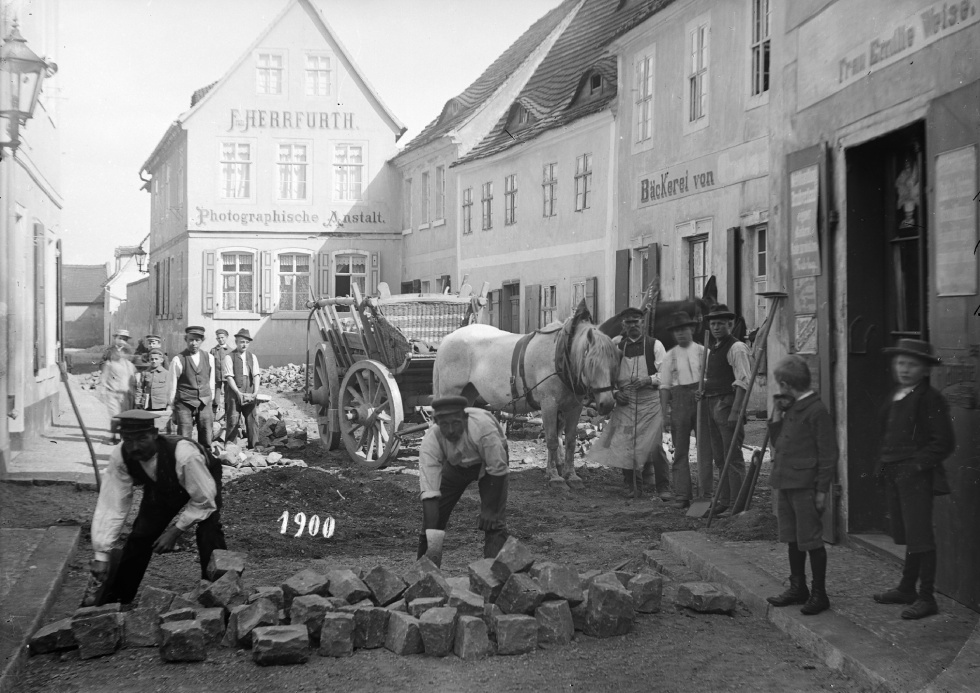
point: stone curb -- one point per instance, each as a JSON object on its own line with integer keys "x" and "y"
{"x": 840, "y": 643}
{"x": 963, "y": 672}
{"x": 24, "y": 607}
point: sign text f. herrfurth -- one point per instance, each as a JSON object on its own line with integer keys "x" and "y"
{"x": 249, "y": 119}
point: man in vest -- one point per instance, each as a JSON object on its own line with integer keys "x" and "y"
{"x": 191, "y": 378}
{"x": 242, "y": 379}
{"x": 153, "y": 384}
{"x": 178, "y": 480}
{"x": 219, "y": 352}
{"x": 726, "y": 382}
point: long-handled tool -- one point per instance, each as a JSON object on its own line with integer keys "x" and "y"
{"x": 744, "y": 500}
{"x": 756, "y": 365}
{"x": 81, "y": 425}
{"x": 700, "y": 507}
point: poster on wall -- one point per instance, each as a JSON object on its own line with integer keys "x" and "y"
{"x": 804, "y": 249}
{"x": 806, "y": 334}
{"x": 956, "y": 222}
{"x": 805, "y": 295}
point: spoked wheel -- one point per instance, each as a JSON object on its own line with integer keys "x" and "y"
{"x": 324, "y": 396}
{"x": 370, "y": 413}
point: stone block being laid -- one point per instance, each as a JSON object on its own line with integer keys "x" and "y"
{"x": 560, "y": 582}
{"x": 182, "y": 641}
{"x": 156, "y": 598}
{"x": 610, "y": 609}
{"x": 141, "y": 628}
{"x": 420, "y": 569}
{"x": 706, "y": 597}
{"x": 337, "y": 635}
{"x": 471, "y": 640}
{"x": 270, "y": 592}
{"x": 403, "y": 636}
{"x": 280, "y": 645}
{"x": 430, "y": 585}
{"x": 438, "y": 629}
{"x": 226, "y": 592}
{"x": 302, "y": 583}
{"x": 242, "y": 621}
{"x": 186, "y": 614}
{"x": 417, "y": 607}
{"x": 213, "y": 623}
{"x": 223, "y": 561}
{"x": 309, "y": 611}
{"x": 465, "y": 602}
{"x": 521, "y": 594}
{"x": 483, "y": 581}
{"x": 347, "y": 586}
{"x": 370, "y": 627}
{"x": 647, "y": 591}
{"x": 385, "y": 584}
{"x": 555, "y": 625}
{"x": 512, "y": 558}
{"x": 98, "y": 634}
{"x": 516, "y": 634}
{"x": 53, "y": 637}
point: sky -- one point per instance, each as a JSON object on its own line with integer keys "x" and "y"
{"x": 127, "y": 69}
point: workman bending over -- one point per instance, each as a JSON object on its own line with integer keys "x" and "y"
{"x": 177, "y": 480}
{"x": 465, "y": 445}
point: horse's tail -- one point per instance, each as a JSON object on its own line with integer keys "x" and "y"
{"x": 435, "y": 382}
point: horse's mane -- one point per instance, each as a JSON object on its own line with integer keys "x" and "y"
{"x": 590, "y": 359}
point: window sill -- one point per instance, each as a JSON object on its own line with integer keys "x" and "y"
{"x": 235, "y": 315}
{"x": 757, "y": 101}
{"x": 290, "y": 315}
{"x": 698, "y": 125}
{"x": 406, "y": 232}
{"x": 437, "y": 222}
{"x": 423, "y": 227}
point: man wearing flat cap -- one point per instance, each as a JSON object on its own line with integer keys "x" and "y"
{"x": 190, "y": 384}
{"x": 154, "y": 388}
{"x": 219, "y": 352}
{"x": 465, "y": 445}
{"x": 242, "y": 379}
{"x": 179, "y": 480}
{"x": 916, "y": 436}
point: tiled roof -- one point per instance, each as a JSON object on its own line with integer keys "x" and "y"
{"x": 83, "y": 283}
{"x": 201, "y": 93}
{"x": 550, "y": 93}
{"x": 460, "y": 107}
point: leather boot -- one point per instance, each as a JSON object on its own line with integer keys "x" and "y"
{"x": 796, "y": 593}
{"x": 905, "y": 592}
{"x": 818, "y": 599}
{"x": 493, "y": 541}
{"x": 925, "y": 603}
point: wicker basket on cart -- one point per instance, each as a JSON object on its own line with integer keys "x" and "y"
{"x": 414, "y": 329}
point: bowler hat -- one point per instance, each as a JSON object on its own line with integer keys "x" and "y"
{"x": 244, "y": 334}
{"x": 681, "y": 319}
{"x": 220, "y": 331}
{"x": 448, "y": 405}
{"x": 195, "y": 330}
{"x": 918, "y": 348}
{"x": 721, "y": 312}
{"x": 121, "y": 333}
{"x": 631, "y": 314}
{"x": 137, "y": 421}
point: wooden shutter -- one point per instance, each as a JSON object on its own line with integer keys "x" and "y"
{"x": 207, "y": 291}
{"x": 40, "y": 322}
{"x": 445, "y": 283}
{"x": 734, "y": 279}
{"x": 591, "y": 298}
{"x": 265, "y": 285}
{"x": 170, "y": 287}
{"x": 495, "y": 308}
{"x": 622, "y": 279}
{"x": 375, "y": 273}
{"x": 323, "y": 264}
{"x": 416, "y": 286}
{"x": 532, "y": 307}
{"x": 181, "y": 285}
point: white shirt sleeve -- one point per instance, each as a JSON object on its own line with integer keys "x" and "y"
{"x": 193, "y": 475}
{"x": 430, "y": 465}
{"x": 175, "y": 370}
{"x": 256, "y": 371}
{"x": 227, "y": 368}
{"x": 667, "y": 379}
{"x": 115, "y": 501}
{"x": 659, "y": 355}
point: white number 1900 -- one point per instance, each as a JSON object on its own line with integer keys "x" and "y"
{"x": 313, "y": 527}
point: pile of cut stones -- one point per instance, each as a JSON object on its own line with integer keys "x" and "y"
{"x": 507, "y": 605}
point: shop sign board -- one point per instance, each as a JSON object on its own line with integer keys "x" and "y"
{"x": 804, "y": 249}
{"x": 956, "y": 222}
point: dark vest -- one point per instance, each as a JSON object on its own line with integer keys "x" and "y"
{"x": 720, "y": 375}
{"x": 244, "y": 377}
{"x": 167, "y": 488}
{"x": 156, "y": 388}
{"x": 194, "y": 384}
{"x": 219, "y": 353}
{"x": 898, "y": 442}
{"x": 646, "y": 346}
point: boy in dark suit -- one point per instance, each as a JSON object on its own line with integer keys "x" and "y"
{"x": 802, "y": 471}
{"x": 917, "y": 435}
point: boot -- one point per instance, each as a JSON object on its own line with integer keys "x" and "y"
{"x": 629, "y": 492}
{"x": 796, "y": 593}
{"x": 905, "y": 592}
{"x": 493, "y": 541}
{"x": 925, "y": 604}
{"x": 818, "y": 599}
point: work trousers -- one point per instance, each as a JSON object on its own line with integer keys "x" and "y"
{"x": 234, "y": 413}
{"x": 721, "y": 434}
{"x": 683, "y": 420}
{"x": 190, "y": 414}
{"x": 909, "y": 494}
{"x": 493, "y": 500}
{"x": 154, "y": 516}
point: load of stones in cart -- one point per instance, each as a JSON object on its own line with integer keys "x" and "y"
{"x": 506, "y": 606}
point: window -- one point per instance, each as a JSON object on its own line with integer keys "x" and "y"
{"x": 761, "y": 269}
{"x": 425, "y": 286}
{"x": 510, "y": 199}
{"x": 317, "y": 75}
{"x": 487, "y": 205}
{"x": 407, "y": 205}
{"x": 268, "y": 74}
{"x": 698, "y": 259}
{"x": 350, "y": 269}
{"x": 294, "y": 281}
{"x": 583, "y": 182}
{"x": 292, "y": 171}
{"x": 348, "y": 162}
{"x": 698, "y": 77}
{"x": 440, "y": 192}
{"x": 237, "y": 285}
{"x": 549, "y": 303}
{"x": 761, "y": 272}
{"x": 236, "y": 170}
{"x": 523, "y": 116}
{"x": 595, "y": 84}
{"x": 644, "y": 98}
{"x": 468, "y": 210}
{"x": 549, "y": 188}
{"x": 761, "y": 25}
{"x": 426, "y": 196}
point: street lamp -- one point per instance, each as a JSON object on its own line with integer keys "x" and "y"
{"x": 22, "y": 72}
{"x": 140, "y": 255}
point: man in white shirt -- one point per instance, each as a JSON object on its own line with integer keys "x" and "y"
{"x": 681, "y": 375}
{"x": 190, "y": 387}
{"x": 242, "y": 378}
{"x": 465, "y": 445}
{"x": 178, "y": 481}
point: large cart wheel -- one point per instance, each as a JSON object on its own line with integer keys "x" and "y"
{"x": 370, "y": 413}
{"x": 325, "y": 395}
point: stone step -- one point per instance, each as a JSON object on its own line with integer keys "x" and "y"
{"x": 669, "y": 566}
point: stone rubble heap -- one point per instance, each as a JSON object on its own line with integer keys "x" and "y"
{"x": 506, "y": 605}
{"x": 288, "y": 378}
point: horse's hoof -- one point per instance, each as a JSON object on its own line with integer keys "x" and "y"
{"x": 557, "y": 485}
{"x": 576, "y": 484}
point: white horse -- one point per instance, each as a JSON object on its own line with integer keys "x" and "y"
{"x": 475, "y": 361}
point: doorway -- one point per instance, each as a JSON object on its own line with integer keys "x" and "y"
{"x": 510, "y": 307}
{"x": 886, "y": 295}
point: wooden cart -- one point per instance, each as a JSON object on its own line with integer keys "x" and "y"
{"x": 371, "y": 368}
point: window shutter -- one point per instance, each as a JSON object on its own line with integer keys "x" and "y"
{"x": 591, "y": 294}
{"x": 734, "y": 270}
{"x": 265, "y": 285}
{"x": 622, "y": 279}
{"x": 170, "y": 287}
{"x": 324, "y": 266}
{"x": 532, "y": 307}
{"x": 416, "y": 286}
{"x": 445, "y": 283}
{"x": 181, "y": 285}
{"x": 40, "y": 321}
{"x": 375, "y": 273}
{"x": 207, "y": 291}
{"x": 495, "y": 308}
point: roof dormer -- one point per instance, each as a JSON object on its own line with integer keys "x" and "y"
{"x": 520, "y": 117}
